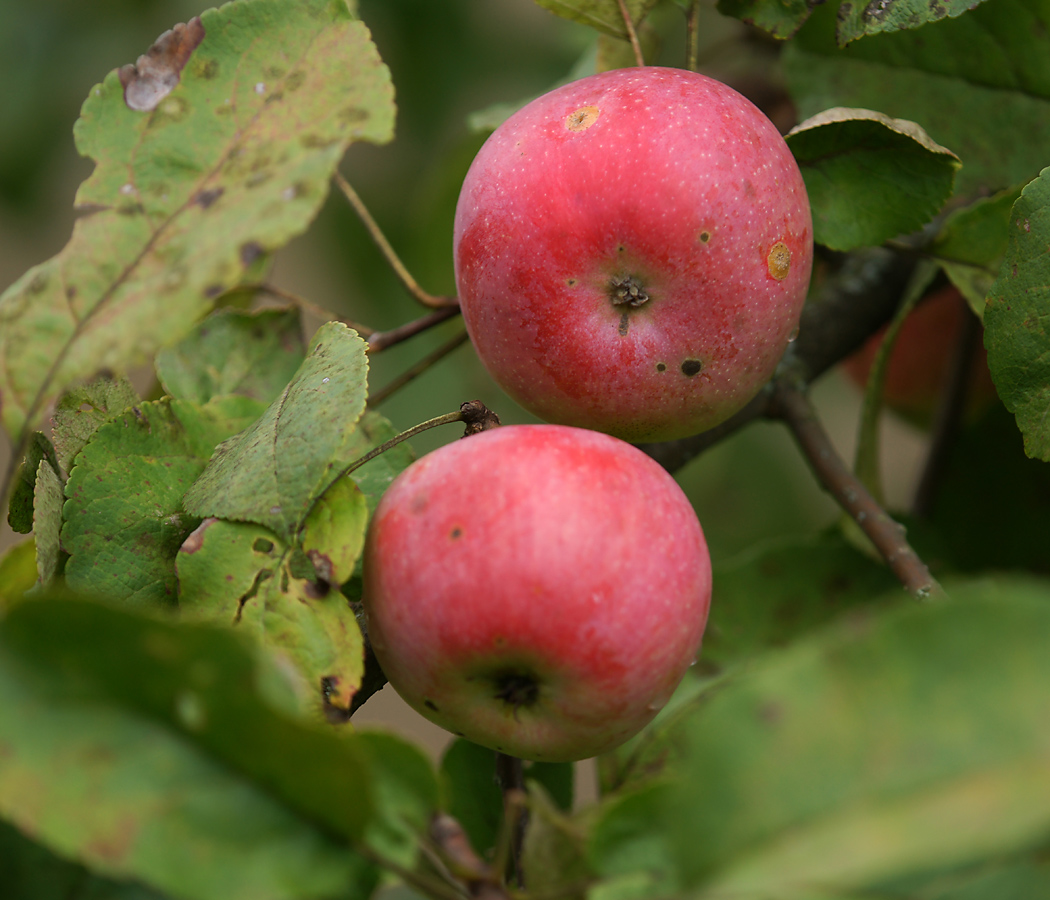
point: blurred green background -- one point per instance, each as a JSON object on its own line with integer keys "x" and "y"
{"x": 448, "y": 59}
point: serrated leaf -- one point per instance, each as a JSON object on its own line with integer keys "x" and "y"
{"x": 781, "y": 18}
{"x": 910, "y": 741}
{"x": 234, "y": 352}
{"x": 273, "y": 472}
{"x": 857, "y": 19}
{"x": 1017, "y": 318}
{"x": 979, "y": 84}
{"x": 781, "y": 590}
{"x": 80, "y": 412}
{"x": 238, "y": 573}
{"x": 602, "y": 15}
{"x": 233, "y": 163}
{"x": 869, "y": 177}
{"x": 124, "y": 519}
{"x": 147, "y": 749}
{"x": 972, "y": 243}
{"x": 47, "y": 521}
{"x": 20, "y": 507}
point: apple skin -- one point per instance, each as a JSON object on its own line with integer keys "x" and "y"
{"x": 921, "y": 360}
{"x": 538, "y": 589}
{"x": 662, "y": 176}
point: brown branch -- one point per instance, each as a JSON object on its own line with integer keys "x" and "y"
{"x": 950, "y": 409}
{"x": 418, "y": 369}
{"x": 791, "y": 404}
{"x": 380, "y": 340}
{"x": 632, "y": 34}
{"x": 393, "y": 260}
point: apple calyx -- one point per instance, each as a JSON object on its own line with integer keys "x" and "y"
{"x": 628, "y": 292}
{"x": 516, "y": 689}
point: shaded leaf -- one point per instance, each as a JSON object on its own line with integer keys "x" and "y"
{"x": 972, "y": 243}
{"x": 125, "y": 519}
{"x": 857, "y": 19}
{"x": 781, "y": 590}
{"x": 234, "y": 352}
{"x": 554, "y": 853}
{"x": 147, "y": 749}
{"x": 239, "y": 573}
{"x": 1017, "y": 316}
{"x": 781, "y": 18}
{"x": 879, "y": 749}
{"x": 869, "y": 177}
{"x": 47, "y": 521}
{"x": 979, "y": 84}
{"x": 273, "y": 472}
{"x": 333, "y": 534}
{"x": 80, "y": 412}
{"x": 20, "y": 506}
{"x": 18, "y": 572}
{"x": 603, "y": 15}
{"x": 184, "y": 200}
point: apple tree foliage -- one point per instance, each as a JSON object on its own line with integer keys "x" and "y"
{"x": 180, "y": 649}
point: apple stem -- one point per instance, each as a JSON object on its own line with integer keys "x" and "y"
{"x": 415, "y": 371}
{"x": 510, "y": 774}
{"x": 790, "y": 403}
{"x": 949, "y": 413}
{"x": 692, "y": 28}
{"x": 632, "y": 34}
{"x": 403, "y": 275}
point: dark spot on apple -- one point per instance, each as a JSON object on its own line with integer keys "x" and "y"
{"x": 691, "y": 367}
{"x": 779, "y": 261}
{"x": 661, "y": 367}
{"x": 516, "y": 688}
{"x": 456, "y": 533}
{"x": 430, "y": 704}
{"x": 625, "y": 322}
{"x": 705, "y": 236}
{"x": 571, "y": 282}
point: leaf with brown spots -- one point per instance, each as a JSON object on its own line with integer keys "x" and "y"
{"x": 230, "y": 165}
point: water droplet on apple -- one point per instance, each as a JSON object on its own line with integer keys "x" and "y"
{"x": 793, "y": 336}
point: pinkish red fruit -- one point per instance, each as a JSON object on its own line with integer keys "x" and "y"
{"x": 632, "y": 253}
{"x": 540, "y": 590}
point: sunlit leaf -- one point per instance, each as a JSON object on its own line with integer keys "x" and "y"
{"x": 187, "y": 197}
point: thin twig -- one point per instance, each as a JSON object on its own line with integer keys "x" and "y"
{"x": 510, "y": 775}
{"x": 418, "y": 369}
{"x": 692, "y": 36}
{"x": 792, "y": 405}
{"x": 632, "y": 35}
{"x": 380, "y": 340}
{"x": 402, "y": 273}
{"x": 949, "y": 413}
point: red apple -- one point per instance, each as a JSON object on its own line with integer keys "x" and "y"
{"x": 920, "y": 363}
{"x": 632, "y": 252}
{"x": 538, "y": 589}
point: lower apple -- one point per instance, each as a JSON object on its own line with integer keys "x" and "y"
{"x": 538, "y": 589}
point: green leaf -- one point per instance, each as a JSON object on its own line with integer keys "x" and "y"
{"x": 20, "y": 507}
{"x": 779, "y": 591}
{"x": 148, "y": 749}
{"x": 554, "y": 853}
{"x": 617, "y": 53}
{"x": 47, "y": 521}
{"x": 125, "y": 520}
{"x": 781, "y": 18}
{"x": 972, "y": 244}
{"x": 273, "y": 472}
{"x": 979, "y": 84}
{"x": 603, "y": 15}
{"x": 80, "y": 412}
{"x": 1017, "y": 316}
{"x": 234, "y": 352}
{"x": 239, "y": 573}
{"x": 333, "y": 534}
{"x": 859, "y": 19}
{"x": 375, "y": 476}
{"x": 869, "y": 177}
{"x": 230, "y": 165}
{"x": 906, "y": 742}
{"x": 29, "y": 871}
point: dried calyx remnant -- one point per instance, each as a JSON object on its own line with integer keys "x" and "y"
{"x": 517, "y": 689}
{"x": 626, "y": 291}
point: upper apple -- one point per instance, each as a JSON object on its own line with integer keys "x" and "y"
{"x": 632, "y": 253}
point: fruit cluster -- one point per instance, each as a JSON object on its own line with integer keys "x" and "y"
{"x": 632, "y": 252}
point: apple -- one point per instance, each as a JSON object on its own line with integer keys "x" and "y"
{"x": 538, "y": 589}
{"x": 921, "y": 360}
{"x": 632, "y": 251}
